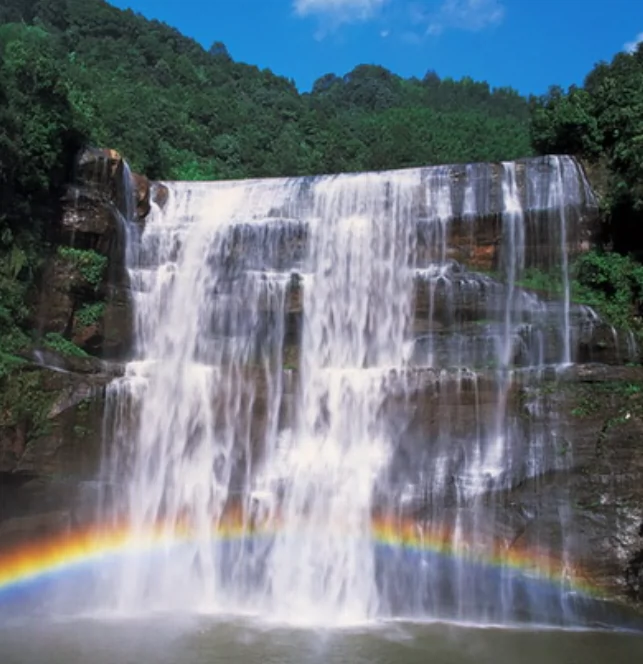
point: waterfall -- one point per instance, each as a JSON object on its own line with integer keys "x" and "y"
{"x": 314, "y": 354}
{"x": 356, "y": 315}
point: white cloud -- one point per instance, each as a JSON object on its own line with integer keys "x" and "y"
{"x": 339, "y": 11}
{"x": 416, "y": 18}
{"x": 631, "y": 47}
{"x": 470, "y": 15}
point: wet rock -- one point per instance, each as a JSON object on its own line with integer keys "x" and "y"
{"x": 96, "y": 200}
{"x": 142, "y": 188}
{"x": 51, "y": 422}
{"x": 48, "y": 359}
{"x": 88, "y": 217}
{"x": 600, "y": 342}
{"x": 72, "y": 281}
{"x": 592, "y": 505}
{"x": 41, "y": 508}
{"x": 117, "y": 325}
{"x": 15, "y": 530}
{"x": 85, "y": 292}
{"x": 98, "y": 166}
{"x": 634, "y": 571}
{"x": 160, "y": 194}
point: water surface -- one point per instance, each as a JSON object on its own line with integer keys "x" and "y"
{"x": 201, "y": 640}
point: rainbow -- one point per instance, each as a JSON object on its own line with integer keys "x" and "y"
{"x": 54, "y": 555}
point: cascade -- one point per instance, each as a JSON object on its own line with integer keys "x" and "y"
{"x": 319, "y": 359}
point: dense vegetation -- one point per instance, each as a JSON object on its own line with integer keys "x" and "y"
{"x": 74, "y": 72}
{"x": 178, "y": 111}
{"x": 602, "y": 123}
{"x": 39, "y": 133}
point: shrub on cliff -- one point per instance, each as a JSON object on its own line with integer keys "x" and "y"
{"x": 613, "y": 285}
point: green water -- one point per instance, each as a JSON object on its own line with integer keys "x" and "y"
{"x": 205, "y": 641}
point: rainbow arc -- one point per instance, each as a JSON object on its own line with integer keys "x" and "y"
{"x": 55, "y": 555}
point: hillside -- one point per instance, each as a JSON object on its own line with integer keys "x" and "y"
{"x": 176, "y": 110}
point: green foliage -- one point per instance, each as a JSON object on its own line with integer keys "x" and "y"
{"x": 612, "y": 284}
{"x": 564, "y": 123}
{"x": 81, "y": 431}
{"x": 607, "y": 281}
{"x": 602, "y": 122}
{"x": 587, "y": 407}
{"x": 13, "y": 312}
{"x": 23, "y": 400}
{"x": 91, "y": 264}
{"x": 593, "y": 399}
{"x": 90, "y": 314}
{"x": 63, "y": 346}
{"x": 539, "y": 280}
{"x": 8, "y": 363}
{"x": 176, "y": 110}
{"x": 39, "y": 133}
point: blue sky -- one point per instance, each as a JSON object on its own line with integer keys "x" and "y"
{"x": 526, "y": 44}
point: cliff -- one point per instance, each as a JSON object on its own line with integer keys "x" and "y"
{"x": 53, "y": 405}
{"x": 52, "y": 399}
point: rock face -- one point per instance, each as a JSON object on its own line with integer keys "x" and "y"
{"x": 58, "y": 431}
{"x": 50, "y": 449}
{"x": 85, "y": 288}
{"x": 601, "y": 409}
{"x": 52, "y": 404}
{"x": 50, "y": 445}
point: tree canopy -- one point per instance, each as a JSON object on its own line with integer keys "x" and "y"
{"x": 602, "y": 122}
{"x": 177, "y": 110}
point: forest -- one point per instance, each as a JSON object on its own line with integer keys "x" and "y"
{"x": 79, "y": 72}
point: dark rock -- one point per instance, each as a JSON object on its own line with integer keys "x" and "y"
{"x": 117, "y": 325}
{"x": 79, "y": 299}
{"x": 16, "y": 530}
{"x": 88, "y": 217}
{"x": 52, "y": 422}
{"x": 49, "y": 359}
{"x": 40, "y": 508}
{"x": 603, "y": 343}
{"x": 66, "y": 289}
{"x": 142, "y": 188}
{"x": 98, "y": 166}
{"x": 160, "y": 194}
{"x": 594, "y": 501}
{"x": 96, "y": 201}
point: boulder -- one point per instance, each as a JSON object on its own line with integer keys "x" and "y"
{"x": 142, "y": 189}
{"x": 51, "y": 422}
{"x": 160, "y": 194}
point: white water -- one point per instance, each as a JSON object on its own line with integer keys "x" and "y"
{"x": 357, "y": 311}
{"x": 205, "y": 418}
